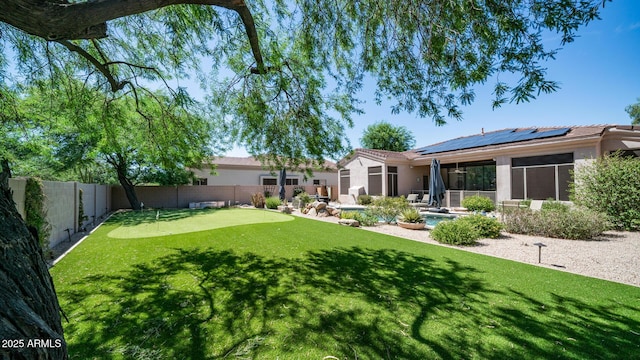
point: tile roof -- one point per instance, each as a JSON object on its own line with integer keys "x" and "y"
{"x": 253, "y": 162}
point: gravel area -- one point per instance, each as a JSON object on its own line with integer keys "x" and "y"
{"x": 615, "y": 256}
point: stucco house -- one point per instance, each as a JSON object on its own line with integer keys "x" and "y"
{"x": 507, "y": 164}
{"x": 247, "y": 171}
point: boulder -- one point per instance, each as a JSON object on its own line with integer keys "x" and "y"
{"x": 349, "y": 222}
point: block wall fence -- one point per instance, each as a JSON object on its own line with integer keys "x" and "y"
{"x": 62, "y": 200}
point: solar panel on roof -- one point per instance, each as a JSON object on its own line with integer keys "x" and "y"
{"x": 494, "y": 138}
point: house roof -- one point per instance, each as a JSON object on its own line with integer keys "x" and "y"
{"x": 379, "y": 155}
{"x": 252, "y": 162}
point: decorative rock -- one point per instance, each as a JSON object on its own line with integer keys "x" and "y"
{"x": 349, "y": 222}
{"x": 312, "y": 212}
{"x": 321, "y": 206}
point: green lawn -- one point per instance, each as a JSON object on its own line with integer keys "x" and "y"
{"x": 304, "y": 289}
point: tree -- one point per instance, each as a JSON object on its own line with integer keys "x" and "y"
{"x": 634, "y": 112}
{"x": 384, "y": 136}
{"x": 427, "y": 55}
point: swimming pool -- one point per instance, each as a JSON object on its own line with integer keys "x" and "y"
{"x": 432, "y": 219}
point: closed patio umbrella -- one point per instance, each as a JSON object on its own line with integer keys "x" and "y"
{"x": 436, "y": 185}
{"x": 283, "y": 180}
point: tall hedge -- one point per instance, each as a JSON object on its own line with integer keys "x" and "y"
{"x": 611, "y": 185}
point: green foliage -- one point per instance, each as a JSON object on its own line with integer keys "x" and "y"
{"x": 36, "y": 214}
{"x": 388, "y": 208}
{"x": 305, "y": 198}
{"x": 610, "y": 185}
{"x": 478, "y": 203}
{"x": 577, "y": 224}
{"x": 359, "y": 281}
{"x": 385, "y": 136}
{"x": 297, "y": 191}
{"x": 273, "y": 202}
{"x": 455, "y": 233}
{"x": 554, "y": 205}
{"x": 82, "y": 217}
{"x": 634, "y": 112}
{"x": 486, "y": 226}
{"x": 365, "y": 218}
{"x": 365, "y": 199}
{"x": 257, "y": 200}
{"x": 411, "y": 215}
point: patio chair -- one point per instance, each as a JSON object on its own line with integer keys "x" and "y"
{"x": 411, "y": 198}
{"x": 423, "y": 203}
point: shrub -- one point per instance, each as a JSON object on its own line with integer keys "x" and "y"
{"x": 455, "y": 233}
{"x": 273, "y": 202}
{"x": 610, "y": 185}
{"x": 257, "y": 200}
{"x": 297, "y": 191}
{"x": 487, "y": 227}
{"x": 478, "y": 203}
{"x": 577, "y": 224}
{"x": 389, "y": 208}
{"x": 305, "y": 198}
{"x": 365, "y": 199}
{"x": 555, "y": 206}
{"x": 411, "y": 215}
{"x": 364, "y": 218}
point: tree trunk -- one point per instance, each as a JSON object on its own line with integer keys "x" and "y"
{"x": 120, "y": 165}
{"x": 30, "y": 324}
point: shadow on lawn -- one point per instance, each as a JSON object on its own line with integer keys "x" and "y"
{"x": 347, "y": 303}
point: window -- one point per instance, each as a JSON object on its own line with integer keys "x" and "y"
{"x": 291, "y": 181}
{"x": 345, "y": 181}
{"x": 269, "y": 181}
{"x": 200, "y": 181}
{"x": 375, "y": 180}
{"x": 470, "y": 176}
{"x": 541, "y": 177}
{"x": 392, "y": 181}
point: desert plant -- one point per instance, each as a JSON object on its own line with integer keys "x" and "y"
{"x": 579, "y": 223}
{"x": 411, "y": 215}
{"x": 478, "y": 203}
{"x": 487, "y": 227}
{"x": 273, "y": 202}
{"x": 554, "y": 205}
{"x": 365, "y": 199}
{"x": 297, "y": 191}
{"x": 257, "y": 200}
{"x": 305, "y": 198}
{"x": 610, "y": 185}
{"x": 455, "y": 233}
{"x": 388, "y": 208}
{"x": 364, "y": 218}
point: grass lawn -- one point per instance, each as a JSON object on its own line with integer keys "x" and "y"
{"x": 293, "y": 288}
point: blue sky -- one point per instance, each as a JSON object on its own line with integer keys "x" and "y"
{"x": 599, "y": 75}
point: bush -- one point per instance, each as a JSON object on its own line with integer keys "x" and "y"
{"x": 364, "y": 218}
{"x": 257, "y": 200}
{"x": 273, "y": 202}
{"x": 455, "y": 233}
{"x": 305, "y": 198}
{"x": 389, "y": 208}
{"x": 487, "y": 227}
{"x": 553, "y": 205}
{"x": 411, "y": 215}
{"x": 365, "y": 199}
{"x": 577, "y": 224}
{"x": 610, "y": 185}
{"x": 297, "y": 191}
{"x": 478, "y": 203}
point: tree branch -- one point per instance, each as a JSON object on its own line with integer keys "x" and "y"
{"x": 60, "y": 20}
